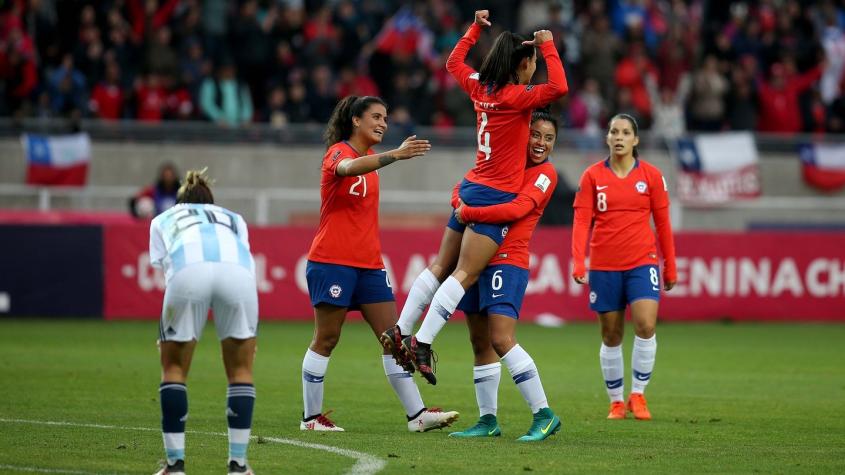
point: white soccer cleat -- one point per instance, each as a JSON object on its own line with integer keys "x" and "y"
{"x": 320, "y": 423}
{"x": 430, "y": 419}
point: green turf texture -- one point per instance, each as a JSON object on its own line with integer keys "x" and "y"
{"x": 733, "y": 398}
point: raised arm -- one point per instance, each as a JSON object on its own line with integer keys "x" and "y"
{"x": 410, "y": 148}
{"x": 455, "y": 64}
{"x": 534, "y": 96}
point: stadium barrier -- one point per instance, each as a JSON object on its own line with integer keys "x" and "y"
{"x": 105, "y": 271}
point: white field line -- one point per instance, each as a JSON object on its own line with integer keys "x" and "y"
{"x": 365, "y": 464}
{"x": 43, "y": 470}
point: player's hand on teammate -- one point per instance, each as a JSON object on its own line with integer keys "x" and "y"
{"x": 482, "y": 17}
{"x": 579, "y": 279}
{"x": 412, "y": 147}
{"x": 668, "y": 284}
{"x": 540, "y": 37}
{"x": 458, "y": 211}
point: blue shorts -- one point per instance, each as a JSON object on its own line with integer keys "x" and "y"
{"x": 346, "y": 286}
{"x": 615, "y": 290}
{"x": 499, "y": 290}
{"x": 474, "y": 194}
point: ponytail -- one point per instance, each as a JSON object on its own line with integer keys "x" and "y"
{"x": 196, "y": 188}
{"x": 501, "y": 63}
{"x": 340, "y": 123}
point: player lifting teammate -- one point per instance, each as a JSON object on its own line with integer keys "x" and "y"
{"x": 503, "y": 101}
{"x": 618, "y": 196}
{"x": 493, "y": 304}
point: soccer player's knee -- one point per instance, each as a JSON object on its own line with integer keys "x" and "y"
{"x": 502, "y": 344}
{"x": 611, "y": 337}
{"x": 325, "y": 343}
{"x": 479, "y": 345}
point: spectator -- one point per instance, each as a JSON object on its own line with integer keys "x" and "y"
{"x": 154, "y": 199}
{"x": 224, "y": 100}
{"x": 779, "y": 110}
{"x": 667, "y": 108}
{"x": 67, "y": 89}
{"x": 107, "y": 98}
{"x": 707, "y": 105}
{"x": 275, "y": 112}
{"x": 149, "y": 98}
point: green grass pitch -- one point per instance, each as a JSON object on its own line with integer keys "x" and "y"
{"x": 735, "y": 398}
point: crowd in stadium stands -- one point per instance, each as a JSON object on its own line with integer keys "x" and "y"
{"x": 766, "y": 65}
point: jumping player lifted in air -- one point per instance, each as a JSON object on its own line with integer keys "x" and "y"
{"x": 503, "y": 100}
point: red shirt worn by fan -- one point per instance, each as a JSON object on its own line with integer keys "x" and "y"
{"x": 348, "y": 231}
{"x": 620, "y": 209}
{"x": 537, "y": 187}
{"x": 503, "y": 116}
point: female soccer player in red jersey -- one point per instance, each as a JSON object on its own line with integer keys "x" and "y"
{"x": 503, "y": 101}
{"x": 492, "y": 305}
{"x": 618, "y": 196}
{"x": 345, "y": 270}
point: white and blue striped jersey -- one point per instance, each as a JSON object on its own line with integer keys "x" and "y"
{"x": 191, "y": 233}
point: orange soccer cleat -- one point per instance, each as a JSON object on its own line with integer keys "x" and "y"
{"x": 617, "y": 410}
{"x": 638, "y": 406}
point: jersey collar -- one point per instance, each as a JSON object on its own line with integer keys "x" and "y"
{"x": 607, "y": 162}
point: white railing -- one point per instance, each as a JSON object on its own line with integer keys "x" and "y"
{"x": 262, "y": 197}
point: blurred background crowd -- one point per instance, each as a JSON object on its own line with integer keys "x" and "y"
{"x": 702, "y": 65}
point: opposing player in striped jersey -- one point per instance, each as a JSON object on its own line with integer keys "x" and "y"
{"x": 617, "y": 197}
{"x": 204, "y": 252}
{"x": 492, "y": 305}
{"x": 503, "y": 100}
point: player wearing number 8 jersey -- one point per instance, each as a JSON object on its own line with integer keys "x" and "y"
{"x": 503, "y": 100}
{"x": 618, "y": 196}
{"x": 345, "y": 269}
{"x": 204, "y": 251}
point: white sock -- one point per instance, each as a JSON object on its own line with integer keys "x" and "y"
{"x": 403, "y": 385}
{"x": 442, "y": 307}
{"x": 313, "y": 370}
{"x": 642, "y": 362}
{"x": 486, "y": 379}
{"x": 174, "y": 446}
{"x": 238, "y": 440}
{"x": 613, "y": 370}
{"x": 527, "y": 379}
{"x": 423, "y": 289}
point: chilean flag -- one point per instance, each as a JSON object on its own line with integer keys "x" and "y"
{"x": 57, "y": 160}
{"x": 823, "y": 165}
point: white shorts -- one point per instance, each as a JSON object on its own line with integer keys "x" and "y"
{"x": 228, "y": 289}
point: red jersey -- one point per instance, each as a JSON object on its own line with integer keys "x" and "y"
{"x": 504, "y": 116}
{"x": 537, "y": 187}
{"x": 620, "y": 209}
{"x": 348, "y": 231}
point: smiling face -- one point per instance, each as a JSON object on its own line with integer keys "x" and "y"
{"x": 372, "y": 124}
{"x": 621, "y": 138}
{"x": 541, "y": 141}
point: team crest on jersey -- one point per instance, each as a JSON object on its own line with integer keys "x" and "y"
{"x": 641, "y": 186}
{"x": 335, "y": 291}
{"x": 505, "y": 231}
{"x": 593, "y": 297}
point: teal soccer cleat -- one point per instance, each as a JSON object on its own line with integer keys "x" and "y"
{"x": 487, "y": 426}
{"x": 545, "y": 424}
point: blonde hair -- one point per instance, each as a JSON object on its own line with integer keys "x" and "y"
{"x": 196, "y": 188}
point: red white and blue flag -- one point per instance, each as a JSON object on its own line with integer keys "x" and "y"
{"x": 57, "y": 160}
{"x": 823, "y": 165}
{"x": 717, "y": 168}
